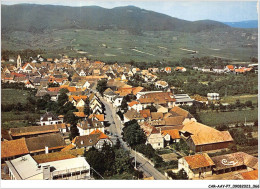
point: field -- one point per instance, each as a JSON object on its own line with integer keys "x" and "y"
{"x": 214, "y": 118}
{"x": 13, "y": 96}
{"x": 242, "y": 99}
{"x": 120, "y": 46}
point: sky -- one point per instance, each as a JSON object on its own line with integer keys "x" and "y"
{"x": 223, "y": 11}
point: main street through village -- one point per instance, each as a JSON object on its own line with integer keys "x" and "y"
{"x": 116, "y": 129}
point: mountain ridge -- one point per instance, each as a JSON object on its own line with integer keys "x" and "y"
{"x": 37, "y": 18}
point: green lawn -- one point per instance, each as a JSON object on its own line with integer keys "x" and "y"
{"x": 214, "y": 118}
{"x": 13, "y": 96}
{"x": 242, "y": 98}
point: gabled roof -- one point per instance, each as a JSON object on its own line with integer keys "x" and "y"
{"x": 179, "y": 111}
{"x": 133, "y": 114}
{"x": 52, "y": 141}
{"x": 174, "y": 133}
{"x": 32, "y": 130}
{"x": 13, "y": 148}
{"x": 174, "y": 121}
{"x": 100, "y": 133}
{"x": 49, "y": 115}
{"x": 240, "y": 158}
{"x": 86, "y": 140}
{"x": 202, "y": 134}
{"x": 156, "y": 115}
{"x": 199, "y": 161}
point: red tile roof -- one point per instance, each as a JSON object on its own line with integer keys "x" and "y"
{"x": 174, "y": 133}
{"x": 13, "y": 148}
{"x": 250, "y": 175}
{"x": 199, "y": 160}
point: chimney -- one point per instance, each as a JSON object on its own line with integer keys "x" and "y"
{"x": 46, "y": 150}
{"x": 46, "y": 172}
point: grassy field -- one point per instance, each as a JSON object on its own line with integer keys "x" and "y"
{"x": 13, "y": 96}
{"x": 242, "y": 98}
{"x": 120, "y": 46}
{"x": 214, "y": 118}
{"x": 17, "y": 119}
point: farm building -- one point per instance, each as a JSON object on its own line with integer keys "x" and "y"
{"x": 200, "y": 137}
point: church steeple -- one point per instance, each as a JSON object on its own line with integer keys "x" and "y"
{"x": 19, "y": 62}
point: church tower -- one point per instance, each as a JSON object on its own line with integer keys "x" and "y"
{"x": 19, "y": 62}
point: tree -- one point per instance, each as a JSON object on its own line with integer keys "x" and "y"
{"x": 124, "y": 105}
{"x": 118, "y": 144}
{"x": 70, "y": 118}
{"x": 102, "y": 86}
{"x": 95, "y": 159}
{"x": 74, "y": 131}
{"x": 152, "y": 108}
{"x": 87, "y": 110}
{"x": 133, "y": 134}
{"x": 249, "y": 103}
{"x": 63, "y": 97}
{"x": 182, "y": 175}
{"x": 109, "y": 154}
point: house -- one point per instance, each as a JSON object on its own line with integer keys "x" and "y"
{"x": 133, "y": 114}
{"x": 33, "y": 131}
{"x": 134, "y": 105}
{"x": 165, "y": 99}
{"x": 146, "y": 114}
{"x": 206, "y": 69}
{"x": 13, "y": 149}
{"x": 183, "y": 99}
{"x": 50, "y": 119}
{"x": 171, "y": 136}
{"x": 196, "y": 166}
{"x": 180, "y": 69}
{"x": 109, "y": 94}
{"x": 161, "y": 84}
{"x": 230, "y": 68}
{"x": 213, "y": 96}
{"x": 117, "y": 101}
{"x": 87, "y": 126}
{"x": 45, "y": 143}
{"x": 95, "y": 139}
{"x": 200, "y": 137}
{"x": 241, "y": 160}
{"x": 218, "y": 69}
{"x": 177, "y": 111}
{"x": 26, "y": 168}
{"x": 168, "y": 69}
{"x": 154, "y": 136}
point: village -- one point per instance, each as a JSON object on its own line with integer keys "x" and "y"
{"x": 89, "y": 105}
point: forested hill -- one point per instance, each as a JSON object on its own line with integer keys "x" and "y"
{"x": 38, "y": 18}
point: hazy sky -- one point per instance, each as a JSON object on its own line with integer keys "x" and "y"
{"x": 229, "y": 11}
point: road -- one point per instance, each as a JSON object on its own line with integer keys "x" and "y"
{"x": 116, "y": 128}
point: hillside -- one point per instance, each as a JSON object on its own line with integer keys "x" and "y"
{"x": 37, "y": 18}
{"x": 120, "y": 34}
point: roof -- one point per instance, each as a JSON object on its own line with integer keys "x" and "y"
{"x": 145, "y": 113}
{"x": 179, "y": 111}
{"x": 239, "y": 158}
{"x": 13, "y": 148}
{"x": 101, "y": 134}
{"x": 54, "y": 156}
{"x": 86, "y": 140}
{"x": 24, "y": 168}
{"x": 231, "y": 67}
{"x": 157, "y": 97}
{"x": 174, "y": 133}
{"x": 32, "y": 130}
{"x": 132, "y": 103}
{"x": 202, "y": 134}
{"x": 156, "y": 115}
{"x": 137, "y": 89}
{"x": 52, "y": 141}
{"x": 174, "y": 121}
{"x": 79, "y": 114}
{"x": 133, "y": 114}
{"x": 47, "y": 115}
{"x": 250, "y": 175}
{"x": 199, "y": 161}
